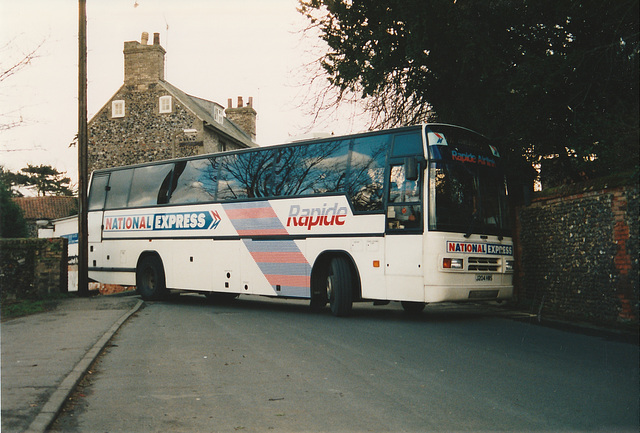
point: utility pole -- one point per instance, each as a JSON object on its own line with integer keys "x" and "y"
{"x": 83, "y": 231}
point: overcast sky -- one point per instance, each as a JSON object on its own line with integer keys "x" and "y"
{"x": 216, "y": 49}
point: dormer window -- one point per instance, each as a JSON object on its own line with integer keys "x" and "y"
{"x": 218, "y": 115}
{"x": 117, "y": 108}
{"x": 165, "y": 104}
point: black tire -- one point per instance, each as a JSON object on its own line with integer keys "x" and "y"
{"x": 150, "y": 279}
{"x": 318, "y": 302}
{"x": 413, "y": 307}
{"x": 319, "y": 297}
{"x": 340, "y": 287}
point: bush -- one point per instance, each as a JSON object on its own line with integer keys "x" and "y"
{"x": 12, "y": 222}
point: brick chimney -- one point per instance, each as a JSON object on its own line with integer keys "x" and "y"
{"x": 243, "y": 115}
{"x": 143, "y": 64}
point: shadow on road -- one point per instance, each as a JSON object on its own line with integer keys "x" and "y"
{"x": 433, "y": 313}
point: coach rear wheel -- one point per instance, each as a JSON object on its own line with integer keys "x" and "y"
{"x": 150, "y": 279}
{"x": 340, "y": 287}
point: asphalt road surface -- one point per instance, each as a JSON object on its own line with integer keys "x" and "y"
{"x": 258, "y": 365}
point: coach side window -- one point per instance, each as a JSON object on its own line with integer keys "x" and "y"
{"x": 98, "y": 191}
{"x": 246, "y": 175}
{"x": 323, "y": 168}
{"x": 231, "y": 185}
{"x": 366, "y": 172}
{"x": 291, "y": 177}
{"x": 409, "y": 144}
{"x": 404, "y": 209}
{"x": 195, "y": 181}
{"x": 119, "y": 187}
{"x": 146, "y": 185}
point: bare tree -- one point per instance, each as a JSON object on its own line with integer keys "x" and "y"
{"x": 324, "y": 98}
{"x": 11, "y": 119}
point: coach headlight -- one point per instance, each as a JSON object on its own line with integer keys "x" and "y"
{"x": 508, "y": 267}
{"x": 448, "y": 263}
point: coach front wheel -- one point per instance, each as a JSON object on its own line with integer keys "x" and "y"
{"x": 318, "y": 294}
{"x": 340, "y": 287}
{"x": 150, "y": 279}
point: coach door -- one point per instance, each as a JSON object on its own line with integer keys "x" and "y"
{"x": 404, "y": 226}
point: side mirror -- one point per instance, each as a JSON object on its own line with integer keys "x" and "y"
{"x": 411, "y": 168}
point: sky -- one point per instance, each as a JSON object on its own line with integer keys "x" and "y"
{"x": 216, "y": 49}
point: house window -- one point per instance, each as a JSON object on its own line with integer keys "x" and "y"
{"x": 218, "y": 115}
{"x": 165, "y": 104}
{"x": 117, "y": 108}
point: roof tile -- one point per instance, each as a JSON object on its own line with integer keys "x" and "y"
{"x": 48, "y": 207}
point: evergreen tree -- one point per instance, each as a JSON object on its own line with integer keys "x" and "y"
{"x": 46, "y": 180}
{"x": 12, "y": 222}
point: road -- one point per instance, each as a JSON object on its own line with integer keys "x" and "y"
{"x": 260, "y": 365}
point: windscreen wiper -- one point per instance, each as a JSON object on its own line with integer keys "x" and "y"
{"x": 474, "y": 218}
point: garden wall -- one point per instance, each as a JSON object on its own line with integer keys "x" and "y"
{"x": 578, "y": 256}
{"x": 32, "y": 268}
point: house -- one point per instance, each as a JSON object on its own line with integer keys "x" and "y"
{"x": 149, "y": 119}
{"x": 41, "y": 211}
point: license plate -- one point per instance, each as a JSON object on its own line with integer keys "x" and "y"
{"x": 481, "y": 277}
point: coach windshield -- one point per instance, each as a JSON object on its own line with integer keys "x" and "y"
{"x": 467, "y": 188}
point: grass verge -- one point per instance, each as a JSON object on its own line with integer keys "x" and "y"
{"x": 25, "y": 307}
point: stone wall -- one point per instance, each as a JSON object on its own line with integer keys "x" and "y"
{"x": 143, "y": 134}
{"x": 32, "y": 268}
{"x": 578, "y": 256}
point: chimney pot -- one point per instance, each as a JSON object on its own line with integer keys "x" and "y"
{"x": 143, "y": 63}
{"x": 229, "y": 103}
{"x": 243, "y": 116}
{"x": 156, "y": 39}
